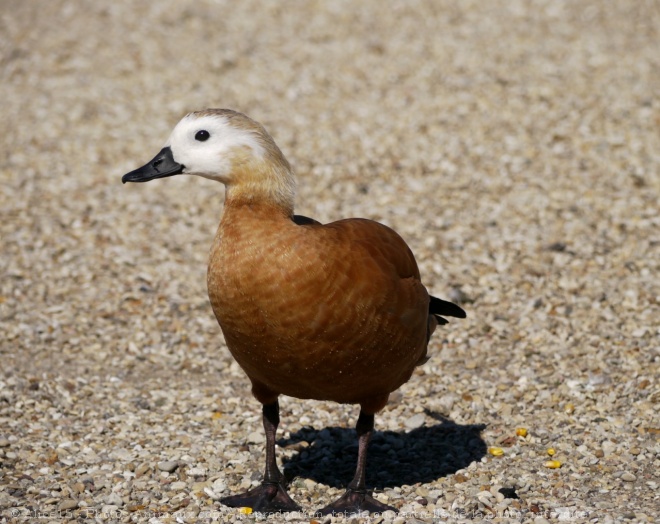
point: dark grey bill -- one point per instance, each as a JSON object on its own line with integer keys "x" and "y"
{"x": 160, "y": 166}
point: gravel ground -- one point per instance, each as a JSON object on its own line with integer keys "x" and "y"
{"x": 514, "y": 145}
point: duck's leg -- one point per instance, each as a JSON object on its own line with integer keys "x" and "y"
{"x": 356, "y": 499}
{"x": 271, "y": 496}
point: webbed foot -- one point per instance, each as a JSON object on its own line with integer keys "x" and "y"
{"x": 355, "y": 501}
{"x": 269, "y": 497}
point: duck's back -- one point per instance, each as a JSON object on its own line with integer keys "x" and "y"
{"x": 332, "y": 312}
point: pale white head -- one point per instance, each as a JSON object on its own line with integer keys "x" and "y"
{"x": 206, "y": 143}
{"x": 226, "y": 146}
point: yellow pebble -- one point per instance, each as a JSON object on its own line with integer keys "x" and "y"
{"x": 521, "y": 432}
{"x": 551, "y": 451}
{"x": 496, "y": 452}
{"x": 569, "y": 408}
{"x": 245, "y": 511}
{"x": 552, "y": 464}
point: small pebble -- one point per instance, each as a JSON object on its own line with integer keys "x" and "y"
{"x": 199, "y": 486}
{"x": 211, "y": 493}
{"x": 141, "y": 470}
{"x": 219, "y": 486}
{"x": 310, "y": 484}
{"x": 628, "y": 477}
{"x": 114, "y": 499}
{"x": 256, "y": 437}
{"x": 68, "y": 504}
{"x": 110, "y": 511}
{"x": 608, "y": 447}
{"x": 416, "y": 421}
{"x": 168, "y": 466}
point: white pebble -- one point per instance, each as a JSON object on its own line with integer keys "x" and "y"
{"x": 256, "y": 437}
{"x": 416, "y": 421}
{"x": 219, "y": 486}
{"x": 212, "y": 494}
{"x": 168, "y": 465}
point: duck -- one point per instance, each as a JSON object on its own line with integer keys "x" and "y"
{"x": 332, "y": 312}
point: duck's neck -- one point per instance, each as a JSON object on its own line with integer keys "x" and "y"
{"x": 264, "y": 186}
{"x": 240, "y": 210}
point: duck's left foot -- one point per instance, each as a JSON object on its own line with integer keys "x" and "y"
{"x": 355, "y": 502}
{"x": 270, "y": 497}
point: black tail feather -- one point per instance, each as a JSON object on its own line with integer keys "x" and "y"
{"x": 441, "y": 320}
{"x": 439, "y": 307}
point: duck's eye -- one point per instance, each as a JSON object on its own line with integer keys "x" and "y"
{"x": 202, "y": 135}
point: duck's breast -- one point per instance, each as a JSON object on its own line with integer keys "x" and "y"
{"x": 331, "y": 312}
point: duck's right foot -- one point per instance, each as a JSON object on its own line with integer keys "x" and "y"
{"x": 270, "y": 497}
{"x": 355, "y": 502}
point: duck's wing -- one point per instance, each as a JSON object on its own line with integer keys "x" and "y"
{"x": 387, "y": 249}
{"x": 304, "y": 221}
{"x": 391, "y": 253}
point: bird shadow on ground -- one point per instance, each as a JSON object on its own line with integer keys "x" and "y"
{"x": 395, "y": 458}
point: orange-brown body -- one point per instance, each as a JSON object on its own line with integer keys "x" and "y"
{"x": 329, "y": 312}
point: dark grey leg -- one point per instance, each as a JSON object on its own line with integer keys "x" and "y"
{"x": 271, "y": 495}
{"x": 356, "y": 499}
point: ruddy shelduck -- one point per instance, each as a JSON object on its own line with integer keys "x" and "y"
{"x": 314, "y": 311}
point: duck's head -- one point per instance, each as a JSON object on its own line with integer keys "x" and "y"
{"x": 226, "y": 146}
